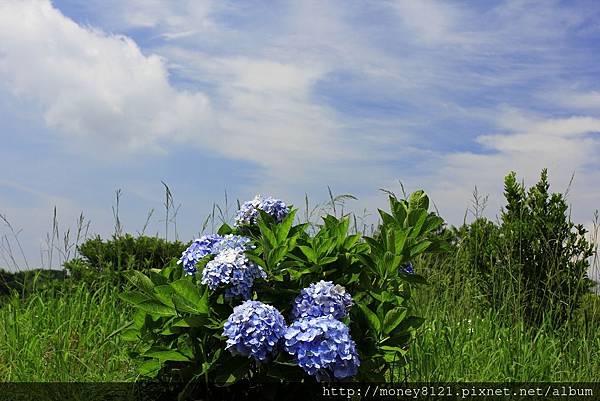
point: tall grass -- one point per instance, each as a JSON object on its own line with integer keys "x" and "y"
{"x": 64, "y": 334}
{"x": 465, "y": 339}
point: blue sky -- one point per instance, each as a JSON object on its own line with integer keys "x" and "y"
{"x": 286, "y": 98}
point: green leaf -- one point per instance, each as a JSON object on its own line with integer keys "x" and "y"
{"x": 393, "y": 318}
{"x": 327, "y": 260}
{"x": 392, "y": 349}
{"x": 265, "y": 231}
{"x": 413, "y": 217}
{"x": 140, "y": 280}
{"x": 401, "y": 236}
{"x": 253, "y": 258}
{"x": 351, "y": 240}
{"x": 374, "y": 245}
{"x": 418, "y": 200}
{"x": 189, "y": 291}
{"x": 191, "y": 321}
{"x": 157, "y": 308}
{"x": 384, "y": 296}
{"x": 164, "y": 294}
{"x": 170, "y": 330}
{"x": 139, "y": 318}
{"x": 391, "y": 262}
{"x": 309, "y": 253}
{"x": 150, "y": 368}
{"x": 283, "y": 229}
{"x": 183, "y": 305}
{"x": 369, "y": 263}
{"x": 134, "y": 297}
{"x": 386, "y": 218}
{"x": 419, "y": 248}
{"x": 416, "y": 230}
{"x": 371, "y": 317}
{"x": 131, "y": 334}
{"x": 286, "y": 372}
{"x": 225, "y": 229}
{"x": 398, "y": 210}
{"x": 167, "y": 355}
{"x": 432, "y": 223}
{"x": 157, "y": 278}
{"x": 410, "y": 323}
{"x": 276, "y": 255}
{"x": 390, "y": 242}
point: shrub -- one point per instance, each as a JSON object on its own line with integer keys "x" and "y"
{"x": 26, "y": 282}
{"x": 107, "y": 259}
{"x": 345, "y": 298}
{"x": 535, "y": 261}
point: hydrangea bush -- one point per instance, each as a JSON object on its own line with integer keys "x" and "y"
{"x": 264, "y": 300}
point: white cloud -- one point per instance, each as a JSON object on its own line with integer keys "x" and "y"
{"x": 588, "y": 100}
{"x": 396, "y": 73}
{"x": 174, "y": 19}
{"x": 93, "y": 87}
{"x": 100, "y": 91}
{"x": 432, "y": 22}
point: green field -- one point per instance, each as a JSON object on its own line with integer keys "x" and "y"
{"x": 57, "y": 329}
{"x": 72, "y": 335}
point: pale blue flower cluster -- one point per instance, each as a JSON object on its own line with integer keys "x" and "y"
{"x": 231, "y": 241}
{"x": 211, "y": 244}
{"x": 322, "y": 347}
{"x": 248, "y": 212}
{"x": 322, "y": 299}
{"x": 231, "y": 267}
{"x": 197, "y": 250}
{"x": 320, "y": 344}
{"x": 254, "y": 329}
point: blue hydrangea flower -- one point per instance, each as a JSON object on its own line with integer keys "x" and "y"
{"x": 248, "y": 212}
{"x": 231, "y": 241}
{"x": 322, "y": 299}
{"x": 322, "y": 346}
{"x": 254, "y": 329}
{"x": 407, "y": 268}
{"x": 232, "y": 268}
{"x": 197, "y": 250}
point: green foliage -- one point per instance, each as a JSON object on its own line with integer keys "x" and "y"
{"x": 28, "y": 281}
{"x": 108, "y": 258}
{"x": 66, "y": 334}
{"x": 384, "y": 295}
{"x": 78, "y": 332}
{"x": 537, "y": 256}
{"x": 178, "y": 322}
{"x": 465, "y": 341}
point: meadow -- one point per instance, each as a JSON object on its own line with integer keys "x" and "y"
{"x": 71, "y": 329}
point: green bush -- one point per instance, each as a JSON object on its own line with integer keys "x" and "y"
{"x": 178, "y": 324}
{"x": 102, "y": 260}
{"x": 25, "y": 282}
{"x": 533, "y": 265}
